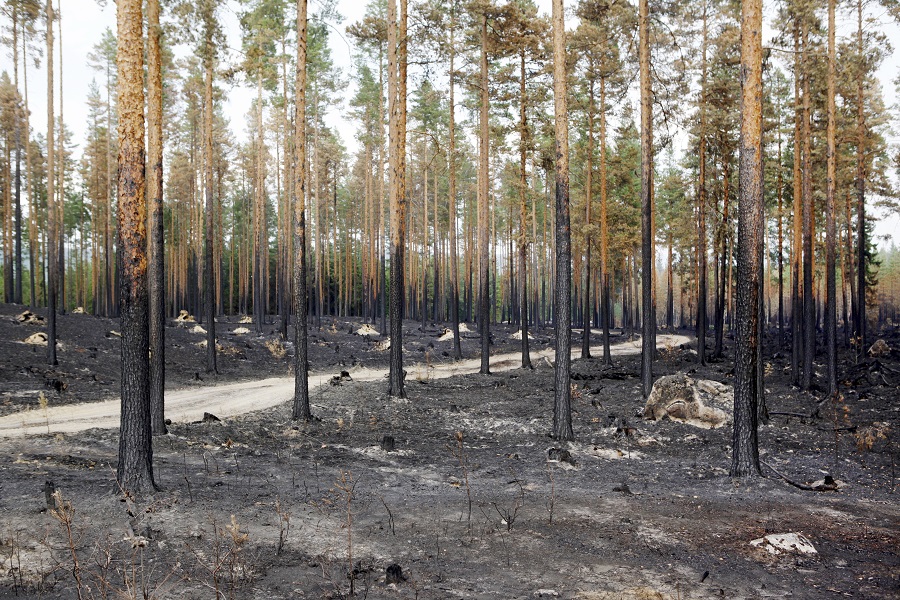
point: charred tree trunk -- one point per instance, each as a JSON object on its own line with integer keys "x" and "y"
{"x": 300, "y": 408}
{"x": 523, "y": 215}
{"x": 588, "y": 195}
{"x": 397, "y": 99}
{"x": 648, "y": 332}
{"x": 156, "y": 235}
{"x": 484, "y": 295}
{"x": 702, "y": 267}
{"x": 797, "y": 245}
{"x": 745, "y": 449}
{"x": 209, "y": 306}
{"x": 562, "y": 406}
{"x": 830, "y": 228}
{"x": 135, "y": 469}
{"x": 454, "y": 261}
{"x": 809, "y": 299}
{"x": 862, "y": 243}
{"x": 53, "y": 226}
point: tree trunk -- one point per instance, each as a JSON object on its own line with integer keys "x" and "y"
{"x": 797, "y": 245}
{"x": 17, "y": 289}
{"x": 809, "y": 299}
{"x": 484, "y": 297}
{"x": 60, "y": 178}
{"x": 588, "y": 196}
{"x": 670, "y": 289}
{"x": 52, "y": 214}
{"x": 397, "y": 100}
{"x": 135, "y": 469}
{"x": 648, "y": 332}
{"x": 745, "y": 450}
{"x": 779, "y": 192}
{"x": 523, "y": 214}
{"x": 451, "y": 200}
{"x": 208, "y": 297}
{"x": 32, "y": 218}
{"x": 702, "y": 267}
{"x": 830, "y": 228}
{"x": 259, "y": 250}
{"x": 300, "y": 408}
{"x": 605, "y": 276}
{"x": 156, "y": 265}
{"x": 723, "y": 279}
{"x": 562, "y": 406}
{"x": 862, "y": 243}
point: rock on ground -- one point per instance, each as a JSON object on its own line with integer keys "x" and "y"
{"x": 701, "y": 403}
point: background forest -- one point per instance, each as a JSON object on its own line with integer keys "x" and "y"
{"x": 696, "y": 86}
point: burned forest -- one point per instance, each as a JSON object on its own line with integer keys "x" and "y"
{"x": 583, "y": 299}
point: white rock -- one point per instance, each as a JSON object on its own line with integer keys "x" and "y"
{"x": 367, "y": 330}
{"x": 778, "y": 543}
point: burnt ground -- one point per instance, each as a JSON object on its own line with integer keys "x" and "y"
{"x": 467, "y": 503}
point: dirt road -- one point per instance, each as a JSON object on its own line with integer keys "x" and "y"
{"x": 238, "y": 398}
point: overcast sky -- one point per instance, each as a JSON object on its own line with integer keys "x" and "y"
{"x": 83, "y": 21}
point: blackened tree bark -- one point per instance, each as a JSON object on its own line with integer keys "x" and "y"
{"x": 17, "y": 283}
{"x": 797, "y": 245}
{"x": 156, "y": 265}
{"x": 60, "y": 182}
{"x": 260, "y": 245}
{"x": 648, "y": 305}
{"x": 397, "y": 102}
{"x": 605, "y": 276}
{"x": 135, "y": 468}
{"x": 830, "y": 228}
{"x": 588, "y": 196}
{"x": 779, "y": 192}
{"x": 562, "y": 317}
{"x": 745, "y": 450}
{"x": 862, "y": 243}
{"x": 454, "y": 261}
{"x": 809, "y": 300}
{"x": 523, "y": 213}
{"x": 702, "y": 267}
{"x": 483, "y": 201}
{"x": 209, "y": 306}
{"x": 52, "y": 247}
{"x": 301, "y": 409}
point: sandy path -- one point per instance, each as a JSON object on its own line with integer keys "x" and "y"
{"x": 238, "y": 398}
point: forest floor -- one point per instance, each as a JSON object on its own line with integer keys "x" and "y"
{"x": 474, "y": 500}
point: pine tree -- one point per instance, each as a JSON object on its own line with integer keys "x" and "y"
{"x": 135, "y": 469}
{"x": 562, "y": 407}
{"x": 648, "y": 318}
{"x": 156, "y": 235}
{"x": 745, "y": 452}
{"x": 301, "y": 408}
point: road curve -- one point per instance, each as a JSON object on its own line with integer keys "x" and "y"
{"x": 231, "y": 399}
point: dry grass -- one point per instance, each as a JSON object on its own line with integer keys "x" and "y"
{"x": 276, "y": 348}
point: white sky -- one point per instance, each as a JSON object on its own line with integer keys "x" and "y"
{"x": 83, "y": 21}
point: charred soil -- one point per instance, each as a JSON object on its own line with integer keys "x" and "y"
{"x": 455, "y": 492}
